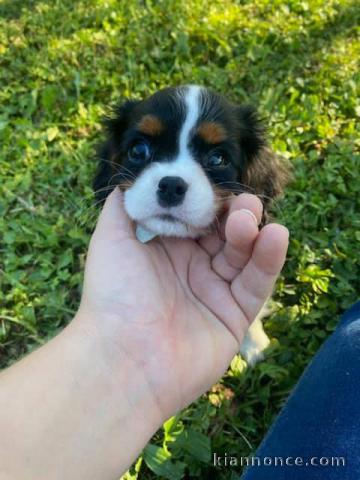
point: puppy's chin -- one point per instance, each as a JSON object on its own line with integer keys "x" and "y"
{"x": 172, "y": 227}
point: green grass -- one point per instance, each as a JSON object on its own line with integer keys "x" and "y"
{"x": 63, "y": 61}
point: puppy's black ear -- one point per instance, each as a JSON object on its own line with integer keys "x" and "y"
{"x": 109, "y": 152}
{"x": 262, "y": 170}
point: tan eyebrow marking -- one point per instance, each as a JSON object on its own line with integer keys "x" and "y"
{"x": 212, "y": 132}
{"x": 150, "y": 125}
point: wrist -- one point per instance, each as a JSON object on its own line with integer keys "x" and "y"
{"x": 118, "y": 368}
{"x": 120, "y": 343}
{"x": 84, "y": 401}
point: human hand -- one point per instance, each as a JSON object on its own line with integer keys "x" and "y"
{"x": 178, "y": 308}
{"x": 157, "y": 325}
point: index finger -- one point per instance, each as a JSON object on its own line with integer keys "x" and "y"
{"x": 214, "y": 242}
{"x": 255, "y": 283}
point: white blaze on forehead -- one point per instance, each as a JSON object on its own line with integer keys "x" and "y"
{"x": 192, "y": 102}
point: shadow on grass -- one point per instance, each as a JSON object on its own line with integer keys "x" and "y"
{"x": 13, "y": 9}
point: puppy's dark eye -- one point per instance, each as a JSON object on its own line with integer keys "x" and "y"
{"x": 140, "y": 152}
{"x": 215, "y": 160}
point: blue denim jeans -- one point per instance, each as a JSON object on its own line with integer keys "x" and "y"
{"x": 320, "y": 422}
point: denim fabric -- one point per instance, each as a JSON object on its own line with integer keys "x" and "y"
{"x": 322, "y": 415}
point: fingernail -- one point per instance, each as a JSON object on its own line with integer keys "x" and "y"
{"x": 251, "y": 214}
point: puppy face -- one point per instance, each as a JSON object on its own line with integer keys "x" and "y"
{"x": 179, "y": 154}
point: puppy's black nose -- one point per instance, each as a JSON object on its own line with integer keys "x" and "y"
{"x": 171, "y": 191}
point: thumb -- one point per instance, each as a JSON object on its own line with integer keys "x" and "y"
{"x": 113, "y": 218}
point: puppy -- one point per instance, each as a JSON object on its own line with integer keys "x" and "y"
{"x": 179, "y": 155}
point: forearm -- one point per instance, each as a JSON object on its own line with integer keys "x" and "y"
{"x": 70, "y": 409}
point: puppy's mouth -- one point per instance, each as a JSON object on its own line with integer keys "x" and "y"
{"x": 167, "y": 217}
{"x": 167, "y": 224}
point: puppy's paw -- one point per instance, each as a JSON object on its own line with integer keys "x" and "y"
{"x": 252, "y": 349}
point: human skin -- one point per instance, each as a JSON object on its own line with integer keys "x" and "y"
{"x": 157, "y": 325}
